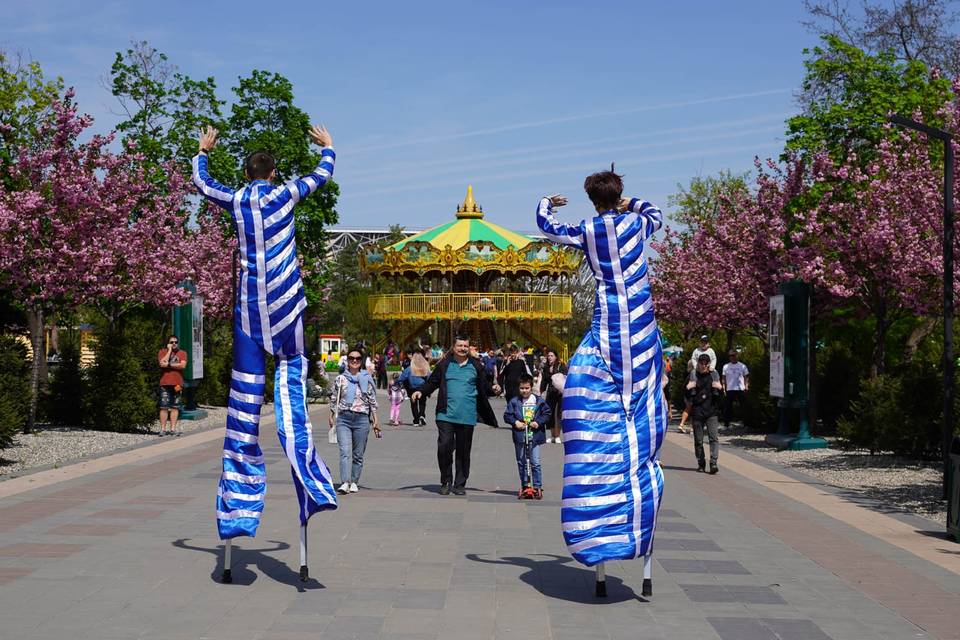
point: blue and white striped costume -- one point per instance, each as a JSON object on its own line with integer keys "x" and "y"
{"x": 613, "y": 414}
{"x": 268, "y": 317}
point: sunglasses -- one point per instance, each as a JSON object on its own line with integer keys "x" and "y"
{"x": 352, "y": 359}
{"x": 173, "y": 342}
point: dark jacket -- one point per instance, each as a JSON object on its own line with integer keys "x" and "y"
{"x": 546, "y": 382}
{"x": 705, "y": 398}
{"x": 510, "y": 375}
{"x": 541, "y": 416}
{"x": 438, "y": 382}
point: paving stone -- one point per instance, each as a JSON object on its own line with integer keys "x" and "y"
{"x": 716, "y": 567}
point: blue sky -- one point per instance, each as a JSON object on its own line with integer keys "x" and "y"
{"x": 519, "y": 99}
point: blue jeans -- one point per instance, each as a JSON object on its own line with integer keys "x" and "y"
{"x": 352, "y": 431}
{"x": 534, "y": 463}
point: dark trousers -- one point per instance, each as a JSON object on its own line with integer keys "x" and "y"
{"x": 382, "y": 381}
{"x": 732, "y": 396}
{"x": 418, "y": 407}
{"x": 454, "y": 438}
{"x": 712, "y": 426}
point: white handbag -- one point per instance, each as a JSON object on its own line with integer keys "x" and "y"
{"x": 558, "y": 380}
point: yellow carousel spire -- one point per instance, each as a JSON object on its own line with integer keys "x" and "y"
{"x": 469, "y": 208}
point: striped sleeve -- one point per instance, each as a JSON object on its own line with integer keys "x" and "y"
{"x": 650, "y": 216}
{"x": 206, "y": 185}
{"x": 557, "y": 231}
{"x": 303, "y": 187}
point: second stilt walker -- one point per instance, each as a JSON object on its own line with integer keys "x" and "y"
{"x": 613, "y": 412}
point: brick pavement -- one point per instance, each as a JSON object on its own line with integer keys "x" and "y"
{"x": 130, "y": 551}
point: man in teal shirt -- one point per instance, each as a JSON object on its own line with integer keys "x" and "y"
{"x": 462, "y": 401}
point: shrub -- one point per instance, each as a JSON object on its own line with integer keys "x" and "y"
{"x": 838, "y": 383}
{"x": 217, "y": 363}
{"x": 119, "y": 398}
{"x": 67, "y": 385}
{"x": 14, "y": 389}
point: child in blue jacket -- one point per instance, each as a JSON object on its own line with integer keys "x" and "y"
{"x": 528, "y": 409}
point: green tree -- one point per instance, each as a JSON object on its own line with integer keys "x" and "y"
{"x": 164, "y": 109}
{"x": 265, "y": 118}
{"x": 25, "y": 100}
{"x": 847, "y": 95}
{"x": 697, "y": 204}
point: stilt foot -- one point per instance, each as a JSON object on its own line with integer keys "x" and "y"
{"x": 601, "y": 589}
{"x": 304, "y": 573}
{"x": 647, "y": 589}
{"x": 227, "y": 577}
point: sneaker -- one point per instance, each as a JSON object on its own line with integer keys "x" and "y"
{"x": 714, "y": 469}
{"x": 344, "y": 488}
{"x": 701, "y": 467}
{"x": 538, "y": 494}
{"x": 445, "y": 489}
{"x": 353, "y": 487}
{"x": 557, "y": 441}
{"x": 160, "y": 435}
{"x": 459, "y": 491}
{"x": 423, "y": 422}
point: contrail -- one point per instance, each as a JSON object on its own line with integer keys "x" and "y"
{"x": 573, "y": 118}
{"x": 696, "y": 153}
{"x": 457, "y": 167}
{"x": 585, "y": 144}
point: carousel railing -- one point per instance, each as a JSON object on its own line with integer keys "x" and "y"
{"x": 427, "y": 306}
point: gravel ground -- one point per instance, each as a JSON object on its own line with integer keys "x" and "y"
{"x": 55, "y": 446}
{"x": 897, "y": 484}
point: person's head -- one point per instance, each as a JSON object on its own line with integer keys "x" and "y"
{"x": 552, "y": 357}
{"x": 604, "y": 189}
{"x": 526, "y": 385}
{"x": 173, "y": 342}
{"x": 734, "y": 356}
{"x": 704, "y": 341}
{"x": 354, "y": 360}
{"x": 396, "y": 376}
{"x": 461, "y": 346}
{"x": 419, "y": 365}
{"x": 260, "y": 165}
{"x": 703, "y": 363}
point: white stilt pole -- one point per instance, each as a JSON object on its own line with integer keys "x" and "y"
{"x": 227, "y": 577}
{"x": 601, "y": 591}
{"x": 647, "y": 576}
{"x": 304, "y": 572}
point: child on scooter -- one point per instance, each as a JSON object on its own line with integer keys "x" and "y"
{"x": 528, "y": 414}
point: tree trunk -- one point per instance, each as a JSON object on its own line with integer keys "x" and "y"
{"x": 920, "y": 333}
{"x": 35, "y": 321}
{"x": 730, "y": 335}
{"x": 879, "y": 347}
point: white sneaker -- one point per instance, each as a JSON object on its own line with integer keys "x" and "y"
{"x": 353, "y": 487}
{"x": 557, "y": 441}
{"x": 344, "y": 488}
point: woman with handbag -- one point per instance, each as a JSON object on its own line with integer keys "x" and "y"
{"x": 552, "y": 378}
{"x": 411, "y": 378}
{"x": 356, "y": 408}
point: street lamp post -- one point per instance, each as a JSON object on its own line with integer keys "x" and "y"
{"x": 948, "y": 387}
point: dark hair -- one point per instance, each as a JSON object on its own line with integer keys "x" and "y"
{"x": 259, "y": 165}
{"x": 604, "y": 189}
{"x": 525, "y": 378}
{"x": 703, "y": 358}
{"x": 461, "y": 336}
{"x": 173, "y": 335}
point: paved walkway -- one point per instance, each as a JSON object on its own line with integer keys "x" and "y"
{"x": 126, "y": 547}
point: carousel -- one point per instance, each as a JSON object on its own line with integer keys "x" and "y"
{"x": 473, "y": 277}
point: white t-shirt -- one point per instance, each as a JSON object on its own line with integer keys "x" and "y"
{"x": 709, "y": 351}
{"x": 734, "y": 373}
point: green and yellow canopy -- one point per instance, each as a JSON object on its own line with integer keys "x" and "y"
{"x": 468, "y": 227}
{"x": 471, "y": 244}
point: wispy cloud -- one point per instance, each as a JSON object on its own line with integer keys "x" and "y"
{"x": 571, "y": 118}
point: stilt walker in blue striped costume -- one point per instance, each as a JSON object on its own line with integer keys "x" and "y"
{"x": 613, "y": 412}
{"x": 268, "y": 317}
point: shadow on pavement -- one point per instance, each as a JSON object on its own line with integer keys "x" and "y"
{"x": 556, "y": 579}
{"x": 244, "y": 557}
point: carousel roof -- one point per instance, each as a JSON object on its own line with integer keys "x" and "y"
{"x": 469, "y": 243}
{"x": 468, "y": 227}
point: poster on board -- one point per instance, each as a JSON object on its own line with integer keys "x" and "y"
{"x": 776, "y": 336}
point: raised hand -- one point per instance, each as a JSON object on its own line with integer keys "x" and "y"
{"x": 208, "y": 139}
{"x": 558, "y": 200}
{"x": 624, "y": 204}
{"x": 320, "y": 136}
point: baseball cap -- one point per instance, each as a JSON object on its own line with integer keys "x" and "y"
{"x": 704, "y": 338}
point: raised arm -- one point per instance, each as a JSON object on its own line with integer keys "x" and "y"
{"x": 555, "y": 230}
{"x": 297, "y": 190}
{"x": 651, "y": 218}
{"x": 210, "y": 188}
